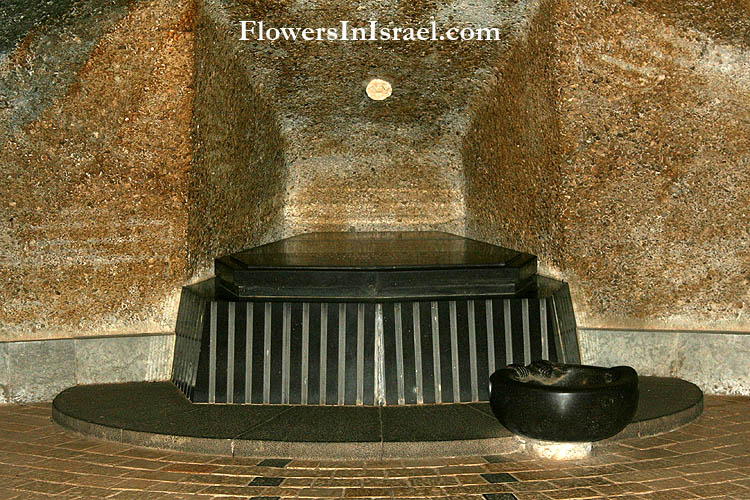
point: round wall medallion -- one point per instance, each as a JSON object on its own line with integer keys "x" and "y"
{"x": 378, "y": 89}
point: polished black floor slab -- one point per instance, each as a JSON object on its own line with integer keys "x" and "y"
{"x": 335, "y": 424}
{"x": 661, "y": 396}
{"x": 439, "y": 423}
{"x": 158, "y": 414}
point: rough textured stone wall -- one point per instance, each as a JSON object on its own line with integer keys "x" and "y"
{"x": 357, "y": 164}
{"x": 95, "y": 102}
{"x": 237, "y": 183}
{"x": 655, "y": 112}
{"x": 511, "y": 153}
{"x": 617, "y": 148}
{"x": 611, "y": 138}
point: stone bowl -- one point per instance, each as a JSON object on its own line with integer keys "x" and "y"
{"x": 564, "y": 403}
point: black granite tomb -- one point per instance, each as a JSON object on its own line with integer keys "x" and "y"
{"x": 375, "y": 266}
{"x": 367, "y": 319}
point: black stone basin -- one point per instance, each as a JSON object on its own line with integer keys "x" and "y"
{"x": 564, "y": 403}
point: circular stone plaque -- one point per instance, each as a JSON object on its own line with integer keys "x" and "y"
{"x": 378, "y": 89}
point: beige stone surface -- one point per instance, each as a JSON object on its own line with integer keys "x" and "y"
{"x": 612, "y": 139}
{"x": 615, "y": 145}
{"x": 94, "y": 215}
{"x": 655, "y": 110}
{"x": 358, "y": 164}
{"x": 236, "y": 188}
{"x": 511, "y": 154}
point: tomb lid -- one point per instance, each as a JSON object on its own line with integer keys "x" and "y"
{"x": 377, "y": 250}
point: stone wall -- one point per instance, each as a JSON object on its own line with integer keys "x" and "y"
{"x": 95, "y": 103}
{"x": 511, "y": 155}
{"x": 358, "y": 164}
{"x": 715, "y": 361}
{"x": 655, "y": 111}
{"x": 38, "y": 370}
{"x": 236, "y": 189}
{"x": 611, "y": 138}
{"x": 615, "y": 144}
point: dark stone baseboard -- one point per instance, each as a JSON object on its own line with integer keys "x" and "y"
{"x": 32, "y": 371}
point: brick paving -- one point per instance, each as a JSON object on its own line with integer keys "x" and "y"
{"x": 709, "y": 458}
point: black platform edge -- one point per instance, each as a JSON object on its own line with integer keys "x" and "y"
{"x": 535, "y": 286}
{"x": 287, "y": 449}
{"x": 657, "y": 415}
{"x": 675, "y": 402}
{"x": 374, "y": 266}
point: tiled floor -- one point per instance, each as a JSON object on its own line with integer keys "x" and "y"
{"x": 709, "y": 458}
